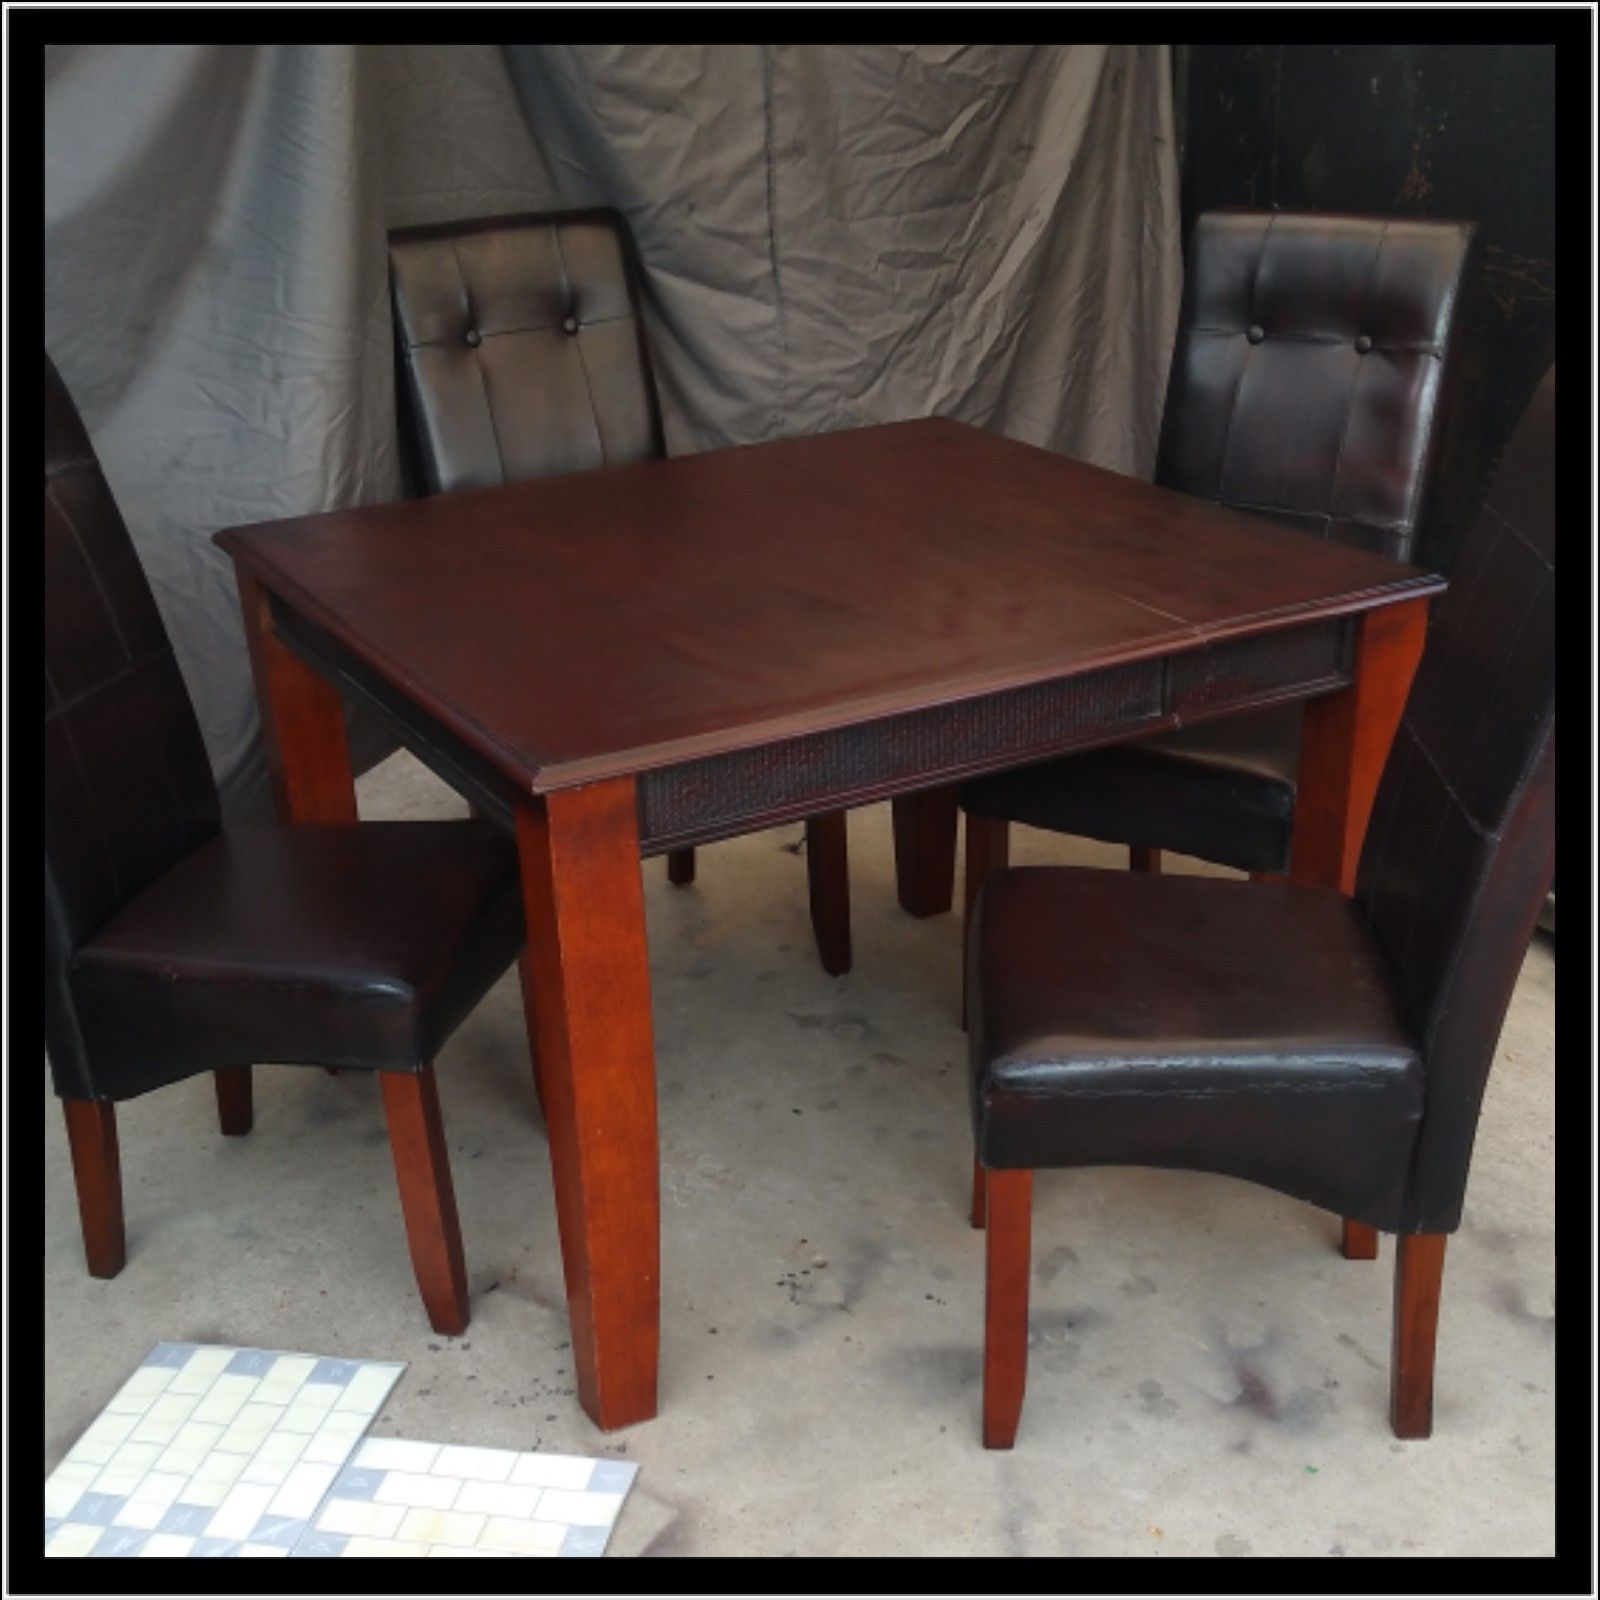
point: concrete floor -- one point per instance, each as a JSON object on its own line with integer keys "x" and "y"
{"x": 1208, "y": 1375}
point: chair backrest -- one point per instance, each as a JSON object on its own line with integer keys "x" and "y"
{"x": 128, "y": 785}
{"x": 1461, "y": 846}
{"x": 520, "y": 349}
{"x": 1310, "y": 365}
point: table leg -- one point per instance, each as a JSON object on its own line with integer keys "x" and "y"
{"x": 589, "y": 975}
{"x": 925, "y": 850}
{"x": 1345, "y": 743}
{"x": 302, "y": 722}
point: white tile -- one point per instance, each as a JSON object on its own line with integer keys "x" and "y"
{"x": 441, "y": 1527}
{"x": 137, "y": 1393}
{"x": 118, "y": 1480}
{"x": 167, "y": 1544}
{"x": 275, "y": 1473}
{"x": 384, "y": 1547}
{"x": 150, "y": 1503}
{"x": 418, "y": 1489}
{"x": 456, "y": 1550}
{"x": 359, "y": 1517}
{"x": 101, "y": 1438}
{"x": 334, "y": 1439}
{"x": 499, "y": 1499}
{"x": 176, "y": 1459}
{"x": 303, "y": 1490}
{"x": 221, "y": 1466}
{"x": 401, "y": 1455}
{"x": 196, "y": 1374}
{"x": 200, "y": 1436}
{"x": 552, "y": 1471}
{"x": 270, "y": 1551}
{"x": 366, "y": 1391}
{"x": 173, "y": 1408}
{"x": 63, "y": 1487}
{"x": 282, "y": 1448}
{"x": 470, "y": 1461}
{"x": 73, "y": 1539}
{"x": 522, "y": 1538}
{"x": 581, "y": 1510}
{"x": 238, "y": 1514}
{"x": 283, "y": 1379}
{"x": 226, "y": 1396}
{"x": 133, "y": 1457}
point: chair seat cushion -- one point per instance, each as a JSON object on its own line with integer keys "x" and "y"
{"x": 1131, "y": 1019}
{"x": 340, "y": 945}
{"x": 1223, "y": 791}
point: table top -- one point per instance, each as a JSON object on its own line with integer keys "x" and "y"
{"x": 582, "y": 627}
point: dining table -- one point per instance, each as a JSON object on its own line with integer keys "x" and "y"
{"x": 624, "y": 662}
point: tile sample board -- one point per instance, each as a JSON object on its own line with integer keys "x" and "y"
{"x": 212, "y": 1450}
{"x": 401, "y": 1497}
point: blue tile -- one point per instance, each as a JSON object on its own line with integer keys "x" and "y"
{"x": 251, "y": 1363}
{"x": 186, "y": 1519}
{"x": 358, "y": 1483}
{"x": 320, "y": 1544}
{"x": 215, "y": 1547}
{"x": 121, "y": 1542}
{"x": 585, "y": 1542}
{"x": 278, "y": 1530}
{"x": 327, "y": 1370}
{"x": 99, "y": 1508}
{"x": 611, "y": 1477}
{"x": 169, "y": 1355}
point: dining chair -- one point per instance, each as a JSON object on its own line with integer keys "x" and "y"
{"x": 521, "y": 353}
{"x": 174, "y": 946}
{"x": 1313, "y": 357}
{"x": 1334, "y": 1049}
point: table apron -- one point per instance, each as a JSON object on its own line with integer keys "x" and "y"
{"x": 716, "y": 797}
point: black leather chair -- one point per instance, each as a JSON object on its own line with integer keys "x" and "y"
{"x": 1312, "y": 358}
{"x": 521, "y": 354}
{"x": 173, "y": 947}
{"x": 1333, "y": 1049}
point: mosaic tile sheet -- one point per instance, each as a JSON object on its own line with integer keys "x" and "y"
{"x": 212, "y": 1450}
{"x": 402, "y": 1497}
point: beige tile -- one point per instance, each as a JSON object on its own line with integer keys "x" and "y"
{"x": 469, "y": 1461}
{"x": 522, "y": 1538}
{"x": 384, "y": 1547}
{"x": 499, "y": 1499}
{"x": 366, "y": 1391}
{"x": 359, "y": 1517}
{"x": 75, "y": 1539}
{"x": 418, "y": 1489}
{"x": 441, "y": 1527}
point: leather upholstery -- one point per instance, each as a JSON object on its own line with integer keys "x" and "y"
{"x": 520, "y": 349}
{"x": 1307, "y": 385}
{"x": 335, "y": 945}
{"x": 171, "y": 947}
{"x": 1273, "y": 1031}
{"x": 1165, "y": 1021}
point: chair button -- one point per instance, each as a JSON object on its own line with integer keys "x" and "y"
{"x": 570, "y": 325}
{"x": 1363, "y": 344}
{"x": 474, "y": 338}
{"x": 1255, "y": 333}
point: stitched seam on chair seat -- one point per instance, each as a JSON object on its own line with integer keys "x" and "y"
{"x": 1407, "y": 346}
{"x": 501, "y": 333}
{"x": 1321, "y": 516}
{"x": 1371, "y": 1078}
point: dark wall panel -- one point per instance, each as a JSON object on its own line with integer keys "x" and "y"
{"x": 1404, "y": 130}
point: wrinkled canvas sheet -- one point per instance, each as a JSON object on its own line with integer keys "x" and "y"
{"x": 830, "y": 236}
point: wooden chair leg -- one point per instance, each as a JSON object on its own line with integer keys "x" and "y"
{"x": 925, "y": 850}
{"x": 988, "y": 850}
{"x": 1141, "y": 858}
{"x": 1360, "y": 1243}
{"x": 427, "y": 1198}
{"x": 97, "y": 1172}
{"x": 828, "y": 878}
{"x": 1005, "y": 1304}
{"x": 979, "y": 1194}
{"x": 1418, "y": 1270}
{"x": 680, "y": 866}
{"x": 525, "y": 975}
{"x": 235, "y": 1101}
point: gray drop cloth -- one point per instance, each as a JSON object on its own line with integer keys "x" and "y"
{"x": 830, "y": 236}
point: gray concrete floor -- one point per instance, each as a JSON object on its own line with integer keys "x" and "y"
{"x": 1208, "y": 1375}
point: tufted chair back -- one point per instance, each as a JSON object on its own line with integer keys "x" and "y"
{"x": 128, "y": 784}
{"x": 1311, "y": 360}
{"x": 1461, "y": 846}
{"x": 521, "y": 349}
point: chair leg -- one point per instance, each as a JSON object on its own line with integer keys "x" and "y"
{"x": 97, "y": 1173}
{"x": 988, "y": 850}
{"x": 1418, "y": 1269}
{"x": 1005, "y": 1304}
{"x": 1360, "y": 1243}
{"x": 1142, "y": 858}
{"x": 680, "y": 866}
{"x": 427, "y": 1198}
{"x": 525, "y": 976}
{"x": 979, "y": 1194}
{"x": 235, "y": 1101}
{"x": 828, "y": 879}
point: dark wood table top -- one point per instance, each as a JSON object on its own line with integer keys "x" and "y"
{"x": 582, "y": 627}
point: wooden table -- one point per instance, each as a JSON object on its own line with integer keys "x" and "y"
{"x": 619, "y": 663}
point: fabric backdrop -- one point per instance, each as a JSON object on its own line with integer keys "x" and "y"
{"x": 830, "y": 236}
